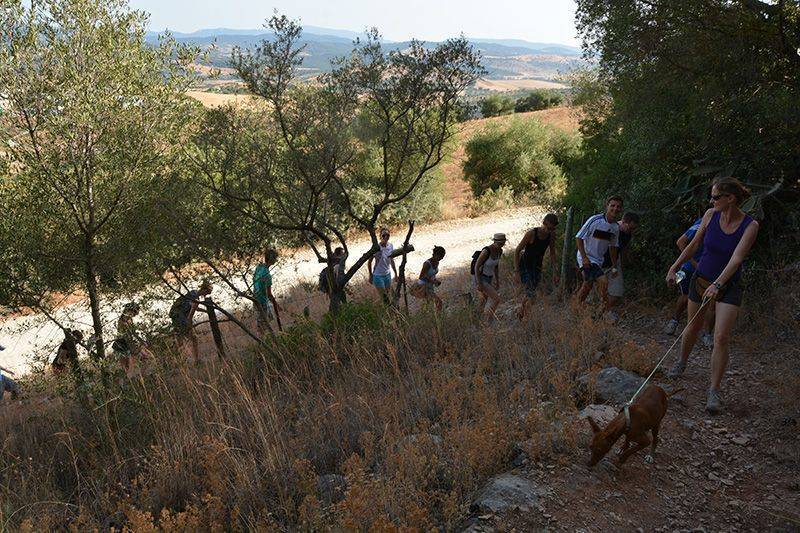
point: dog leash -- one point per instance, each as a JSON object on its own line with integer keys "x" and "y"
{"x": 626, "y": 409}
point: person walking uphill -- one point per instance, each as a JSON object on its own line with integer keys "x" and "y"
{"x": 182, "y": 316}
{"x": 265, "y": 305}
{"x": 727, "y": 234}
{"x": 380, "y": 276}
{"x": 486, "y": 274}
{"x": 425, "y": 287}
{"x": 616, "y": 284}
{"x": 599, "y": 234}
{"x": 528, "y": 258}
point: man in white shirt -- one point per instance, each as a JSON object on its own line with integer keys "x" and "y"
{"x": 380, "y": 276}
{"x": 599, "y": 234}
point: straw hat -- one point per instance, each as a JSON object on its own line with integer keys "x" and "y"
{"x": 499, "y": 237}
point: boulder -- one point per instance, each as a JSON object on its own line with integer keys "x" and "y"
{"x": 506, "y": 492}
{"x": 613, "y": 385}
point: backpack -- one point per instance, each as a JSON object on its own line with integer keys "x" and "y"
{"x": 475, "y": 257}
{"x": 322, "y": 284}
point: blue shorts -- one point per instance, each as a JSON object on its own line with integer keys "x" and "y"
{"x": 530, "y": 280}
{"x": 592, "y": 273}
{"x": 382, "y": 282}
{"x": 686, "y": 284}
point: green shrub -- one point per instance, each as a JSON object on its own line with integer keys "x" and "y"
{"x": 496, "y": 105}
{"x": 492, "y": 200}
{"x": 538, "y": 99}
{"x": 354, "y": 320}
{"x": 523, "y": 155}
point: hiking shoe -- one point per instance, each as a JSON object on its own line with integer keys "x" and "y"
{"x": 714, "y": 402}
{"x": 708, "y": 340}
{"x": 671, "y": 326}
{"x": 677, "y": 369}
{"x": 612, "y": 317}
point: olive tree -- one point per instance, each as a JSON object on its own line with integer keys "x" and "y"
{"x": 378, "y": 121}
{"x": 92, "y": 119}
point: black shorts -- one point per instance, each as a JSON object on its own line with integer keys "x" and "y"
{"x": 592, "y": 273}
{"x": 731, "y": 292}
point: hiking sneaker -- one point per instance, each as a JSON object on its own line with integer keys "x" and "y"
{"x": 714, "y": 402}
{"x": 677, "y": 369}
{"x": 708, "y": 340}
{"x": 671, "y": 326}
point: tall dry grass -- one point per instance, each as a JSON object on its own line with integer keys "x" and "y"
{"x": 413, "y": 411}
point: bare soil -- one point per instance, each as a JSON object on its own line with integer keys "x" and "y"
{"x": 738, "y": 471}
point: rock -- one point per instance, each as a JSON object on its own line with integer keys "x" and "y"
{"x": 713, "y": 477}
{"x": 331, "y": 488}
{"x": 506, "y": 492}
{"x": 600, "y": 413}
{"x": 613, "y": 385}
{"x": 741, "y": 440}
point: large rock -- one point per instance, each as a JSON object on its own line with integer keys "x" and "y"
{"x": 506, "y": 492}
{"x": 600, "y": 413}
{"x": 613, "y": 385}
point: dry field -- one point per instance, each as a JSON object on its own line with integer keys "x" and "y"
{"x": 212, "y": 100}
{"x": 516, "y": 85}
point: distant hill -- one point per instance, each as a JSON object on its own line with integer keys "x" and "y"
{"x": 511, "y": 59}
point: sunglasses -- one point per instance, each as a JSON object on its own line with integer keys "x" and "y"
{"x": 716, "y": 197}
{"x": 384, "y": 235}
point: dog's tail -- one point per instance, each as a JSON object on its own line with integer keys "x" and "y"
{"x": 676, "y": 391}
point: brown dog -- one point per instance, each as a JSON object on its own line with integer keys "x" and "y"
{"x": 645, "y": 415}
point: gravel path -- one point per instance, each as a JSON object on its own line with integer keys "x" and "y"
{"x": 32, "y": 336}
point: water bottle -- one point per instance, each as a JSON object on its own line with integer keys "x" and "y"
{"x": 680, "y": 275}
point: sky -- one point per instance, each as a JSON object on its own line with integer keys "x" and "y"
{"x": 550, "y": 21}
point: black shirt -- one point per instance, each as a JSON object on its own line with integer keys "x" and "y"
{"x": 623, "y": 241}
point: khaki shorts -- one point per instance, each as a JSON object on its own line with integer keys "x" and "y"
{"x": 616, "y": 284}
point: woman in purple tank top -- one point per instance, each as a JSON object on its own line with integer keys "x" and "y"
{"x": 727, "y": 234}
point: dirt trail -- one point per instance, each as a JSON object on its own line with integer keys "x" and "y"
{"x": 737, "y": 471}
{"x": 24, "y": 336}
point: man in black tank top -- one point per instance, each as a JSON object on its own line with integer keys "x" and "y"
{"x": 529, "y": 256}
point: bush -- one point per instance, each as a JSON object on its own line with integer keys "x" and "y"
{"x": 524, "y": 155}
{"x": 538, "y": 99}
{"x": 496, "y": 105}
{"x": 492, "y": 200}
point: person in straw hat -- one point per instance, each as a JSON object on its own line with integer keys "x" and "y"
{"x": 486, "y": 274}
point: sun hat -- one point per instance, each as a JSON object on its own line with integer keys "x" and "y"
{"x": 499, "y": 237}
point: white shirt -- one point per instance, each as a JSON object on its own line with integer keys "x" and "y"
{"x": 382, "y": 260}
{"x": 598, "y": 236}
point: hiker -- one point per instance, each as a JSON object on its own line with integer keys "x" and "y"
{"x": 528, "y": 258}
{"x": 265, "y": 305}
{"x": 336, "y": 265}
{"x": 425, "y": 287}
{"x": 616, "y": 286}
{"x": 182, "y": 316}
{"x": 67, "y": 353}
{"x": 6, "y": 383}
{"x": 688, "y": 269}
{"x": 380, "y": 276}
{"x": 599, "y": 234}
{"x": 128, "y": 345}
{"x": 486, "y": 274}
{"x": 727, "y": 234}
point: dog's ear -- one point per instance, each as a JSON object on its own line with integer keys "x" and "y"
{"x": 595, "y": 427}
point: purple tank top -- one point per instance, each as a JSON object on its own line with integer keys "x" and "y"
{"x": 718, "y": 248}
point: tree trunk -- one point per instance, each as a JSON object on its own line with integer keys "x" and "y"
{"x": 338, "y": 298}
{"x": 94, "y": 302}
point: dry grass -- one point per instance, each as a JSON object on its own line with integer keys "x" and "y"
{"x": 414, "y": 411}
{"x": 516, "y": 85}
{"x": 212, "y": 100}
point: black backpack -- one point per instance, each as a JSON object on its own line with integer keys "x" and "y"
{"x": 322, "y": 284}
{"x": 475, "y": 257}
